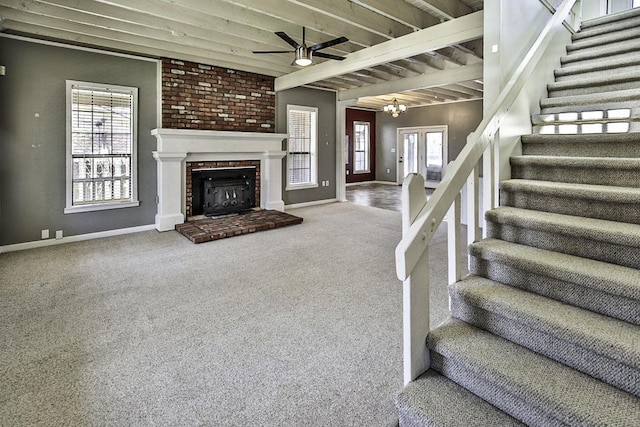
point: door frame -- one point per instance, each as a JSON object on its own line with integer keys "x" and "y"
{"x": 353, "y": 115}
{"x": 422, "y": 131}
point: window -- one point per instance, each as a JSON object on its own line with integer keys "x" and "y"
{"x": 361, "y": 147}
{"x": 101, "y": 147}
{"x": 302, "y": 128}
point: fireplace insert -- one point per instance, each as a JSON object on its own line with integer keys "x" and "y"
{"x": 219, "y": 191}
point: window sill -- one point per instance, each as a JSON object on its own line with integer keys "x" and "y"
{"x": 301, "y": 187}
{"x": 100, "y": 207}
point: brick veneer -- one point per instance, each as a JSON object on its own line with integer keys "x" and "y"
{"x": 199, "y": 96}
{"x": 218, "y": 164}
{"x": 207, "y": 229}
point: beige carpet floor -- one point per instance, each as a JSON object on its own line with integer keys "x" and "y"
{"x": 294, "y": 326}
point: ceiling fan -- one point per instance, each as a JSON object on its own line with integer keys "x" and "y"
{"x": 303, "y": 53}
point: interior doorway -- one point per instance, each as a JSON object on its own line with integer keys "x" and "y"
{"x": 360, "y": 158}
{"x": 422, "y": 150}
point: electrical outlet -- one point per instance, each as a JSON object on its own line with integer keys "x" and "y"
{"x": 45, "y": 234}
{"x": 58, "y": 234}
{"x": 388, "y": 170}
{"x": 327, "y": 181}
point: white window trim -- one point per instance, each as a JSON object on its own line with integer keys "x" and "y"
{"x": 133, "y": 201}
{"x": 314, "y": 151}
{"x": 361, "y": 171}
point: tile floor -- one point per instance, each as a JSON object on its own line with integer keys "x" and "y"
{"x": 384, "y": 196}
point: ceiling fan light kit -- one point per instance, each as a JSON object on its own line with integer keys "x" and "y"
{"x": 303, "y": 54}
{"x": 303, "y": 57}
{"x": 394, "y": 109}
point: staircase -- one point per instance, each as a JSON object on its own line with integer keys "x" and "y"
{"x": 546, "y": 329}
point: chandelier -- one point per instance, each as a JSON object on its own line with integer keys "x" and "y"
{"x": 394, "y": 108}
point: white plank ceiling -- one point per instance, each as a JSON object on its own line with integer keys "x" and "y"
{"x": 422, "y": 52}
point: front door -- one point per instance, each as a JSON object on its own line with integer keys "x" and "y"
{"x": 422, "y": 150}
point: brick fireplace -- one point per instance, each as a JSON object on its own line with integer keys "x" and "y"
{"x": 179, "y": 148}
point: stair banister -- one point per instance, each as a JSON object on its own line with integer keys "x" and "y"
{"x": 421, "y": 218}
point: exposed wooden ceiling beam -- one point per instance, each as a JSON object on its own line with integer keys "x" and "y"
{"x": 400, "y": 11}
{"x": 143, "y": 46}
{"x": 459, "y": 30}
{"x": 475, "y": 84}
{"x": 37, "y": 11}
{"x": 303, "y": 16}
{"x": 450, "y": 94}
{"x": 125, "y": 33}
{"x": 351, "y": 13}
{"x": 436, "y": 78}
{"x": 239, "y": 19}
{"x": 460, "y": 88}
{"x": 447, "y": 9}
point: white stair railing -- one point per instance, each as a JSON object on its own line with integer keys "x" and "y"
{"x": 421, "y": 218}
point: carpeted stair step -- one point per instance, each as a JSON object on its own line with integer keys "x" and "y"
{"x": 604, "y": 145}
{"x": 628, "y": 98}
{"x": 615, "y": 50}
{"x": 607, "y": 24}
{"x": 595, "y": 68}
{"x": 590, "y": 201}
{"x": 622, "y": 172}
{"x": 605, "y": 39}
{"x": 531, "y": 387}
{"x": 605, "y": 348}
{"x": 608, "y": 289}
{"x": 434, "y": 400}
{"x": 607, "y": 241}
{"x": 612, "y": 82}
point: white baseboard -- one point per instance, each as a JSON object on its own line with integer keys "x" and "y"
{"x": 351, "y": 184}
{"x": 78, "y": 238}
{"x": 306, "y": 204}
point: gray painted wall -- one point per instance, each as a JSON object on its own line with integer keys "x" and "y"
{"x": 32, "y": 150}
{"x": 325, "y": 101}
{"x": 462, "y": 118}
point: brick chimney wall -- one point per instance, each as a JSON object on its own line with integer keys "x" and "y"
{"x": 199, "y": 96}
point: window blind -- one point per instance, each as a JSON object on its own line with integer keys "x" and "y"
{"x": 301, "y": 146}
{"x": 102, "y": 143}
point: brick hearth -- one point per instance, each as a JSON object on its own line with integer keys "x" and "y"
{"x": 207, "y": 229}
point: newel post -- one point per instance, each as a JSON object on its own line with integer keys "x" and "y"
{"x": 415, "y": 287}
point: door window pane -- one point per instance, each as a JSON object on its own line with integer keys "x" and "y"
{"x": 433, "y": 159}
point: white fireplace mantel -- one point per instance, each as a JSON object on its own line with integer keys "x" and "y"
{"x": 176, "y": 147}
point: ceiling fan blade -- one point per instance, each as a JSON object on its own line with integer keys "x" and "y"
{"x": 274, "y": 51}
{"x": 328, "y": 43}
{"x": 328, "y": 55}
{"x": 286, "y": 38}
